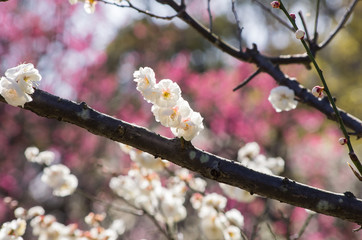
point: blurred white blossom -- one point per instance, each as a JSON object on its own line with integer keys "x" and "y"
{"x": 59, "y": 178}
{"x": 282, "y": 99}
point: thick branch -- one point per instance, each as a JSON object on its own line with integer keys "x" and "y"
{"x": 185, "y": 155}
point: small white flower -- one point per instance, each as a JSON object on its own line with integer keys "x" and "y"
{"x": 232, "y": 233}
{"x": 170, "y": 93}
{"x": 146, "y": 84}
{"x": 59, "y": 178}
{"x": 235, "y": 218}
{"x": 35, "y": 211}
{"x": 25, "y": 75}
{"x": 12, "y": 93}
{"x": 299, "y": 34}
{"x": 172, "y": 208}
{"x": 13, "y": 230}
{"x": 189, "y": 127}
{"x": 171, "y": 116}
{"x": 282, "y": 99}
{"x": 90, "y": 6}
{"x": 250, "y": 151}
{"x": 31, "y": 153}
{"x": 45, "y": 157}
{"x": 20, "y": 212}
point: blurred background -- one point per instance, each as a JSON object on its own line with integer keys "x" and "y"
{"x": 92, "y": 58}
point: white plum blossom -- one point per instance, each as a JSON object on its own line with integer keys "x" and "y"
{"x": 235, "y": 217}
{"x": 13, "y": 230}
{"x": 171, "y": 116}
{"x": 250, "y": 150}
{"x": 146, "y": 84}
{"x": 189, "y": 127}
{"x": 170, "y": 93}
{"x": 18, "y": 83}
{"x": 25, "y": 75}
{"x": 59, "y": 178}
{"x": 12, "y": 93}
{"x": 282, "y": 99}
{"x": 169, "y": 108}
{"x": 31, "y": 153}
{"x": 172, "y": 208}
{"x": 232, "y": 233}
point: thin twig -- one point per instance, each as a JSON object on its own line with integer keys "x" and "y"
{"x": 210, "y": 15}
{"x": 271, "y": 231}
{"x": 315, "y": 37}
{"x": 146, "y": 12}
{"x": 267, "y": 9}
{"x": 340, "y": 25}
{"x": 304, "y": 25}
{"x": 240, "y": 29}
{"x": 94, "y": 198}
{"x": 305, "y": 225}
{"x": 246, "y": 81}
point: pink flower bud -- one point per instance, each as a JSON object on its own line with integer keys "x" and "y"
{"x": 292, "y": 15}
{"x": 318, "y": 91}
{"x": 275, "y": 4}
{"x": 342, "y": 141}
{"x": 299, "y": 34}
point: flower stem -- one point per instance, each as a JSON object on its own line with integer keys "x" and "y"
{"x": 354, "y": 159}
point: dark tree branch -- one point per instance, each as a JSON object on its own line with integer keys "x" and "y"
{"x": 185, "y": 155}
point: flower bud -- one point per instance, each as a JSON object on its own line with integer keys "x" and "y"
{"x": 342, "y": 141}
{"x": 299, "y": 34}
{"x": 292, "y": 15}
{"x": 275, "y": 4}
{"x": 318, "y": 91}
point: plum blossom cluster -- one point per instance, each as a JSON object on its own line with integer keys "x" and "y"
{"x": 142, "y": 188}
{"x": 56, "y": 176}
{"x": 250, "y": 156}
{"x": 215, "y": 222}
{"x": 45, "y": 226}
{"x": 282, "y": 99}
{"x": 18, "y": 83}
{"x": 169, "y": 108}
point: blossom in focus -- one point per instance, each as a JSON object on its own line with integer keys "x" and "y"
{"x": 171, "y": 116}
{"x": 282, "y": 99}
{"x": 25, "y": 75}
{"x": 299, "y": 34}
{"x": 170, "y": 93}
{"x": 18, "y": 83}
{"x": 189, "y": 127}
{"x": 12, "y": 93}
{"x": 59, "y": 178}
{"x": 169, "y": 108}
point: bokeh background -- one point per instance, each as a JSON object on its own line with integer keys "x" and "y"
{"x": 92, "y": 58}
